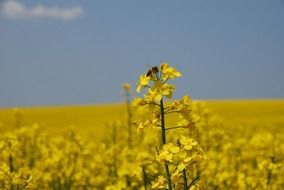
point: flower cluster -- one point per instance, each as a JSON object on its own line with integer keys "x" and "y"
{"x": 178, "y": 159}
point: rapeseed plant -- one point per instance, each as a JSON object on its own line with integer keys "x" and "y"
{"x": 156, "y": 81}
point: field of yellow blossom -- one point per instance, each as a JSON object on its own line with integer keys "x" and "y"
{"x": 148, "y": 142}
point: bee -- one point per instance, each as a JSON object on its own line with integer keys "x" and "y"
{"x": 152, "y": 71}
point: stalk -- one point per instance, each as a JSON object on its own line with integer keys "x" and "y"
{"x": 18, "y": 119}
{"x": 194, "y": 180}
{"x": 129, "y": 118}
{"x": 11, "y": 168}
{"x": 167, "y": 172}
{"x": 269, "y": 176}
{"x": 184, "y": 179}
{"x": 144, "y": 178}
{"x": 114, "y": 164}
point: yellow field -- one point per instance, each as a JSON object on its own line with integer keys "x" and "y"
{"x": 237, "y": 123}
{"x": 86, "y": 118}
{"x": 93, "y": 118}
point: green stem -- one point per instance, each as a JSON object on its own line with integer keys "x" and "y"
{"x": 164, "y": 141}
{"x": 129, "y": 118}
{"x": 269, "y": 175}
{"x": 145, "y": 178}
{"x": 184, "y": 179}
{"x": 178, "y": 127}
{"x": 114, "y": 139}
{"x": 193, "y": 181}
{"x": 11, "y": 167}
{"x": 167, "y": 171}
{"x": 168, "y": 176}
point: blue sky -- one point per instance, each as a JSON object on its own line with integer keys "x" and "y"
{"x": 80, "y": 52}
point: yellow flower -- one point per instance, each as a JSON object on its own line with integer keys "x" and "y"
{"x": 187, "y": 142}
{"x": 160, "y": 183}
{"x": 185, "y": 123}
{"x": 167, "y": 90}
{"x": 153, "y": 95}
{"x": 138, "y": 102}
{"x": 181, "y": 167}
{"x": 181, "y": 154}
{"x": 164, "y": 156}
{"x": 171, "y": 148}
{"x": 143, "y": 82}
{"x": 175, "y": 176}
{"x": 167, "y": 154}
{"x": 182, "y": 106}
{"x": 126, "y": 86}
{"x": 159, "y": 90}
{"x": 185, "y": 100}
{"x": 187, "y": 159}
{"x": 148, "y": 124}
{"x": 169, "y": 72}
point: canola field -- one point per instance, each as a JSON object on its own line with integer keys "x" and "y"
{"x": 149, "y": 142}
